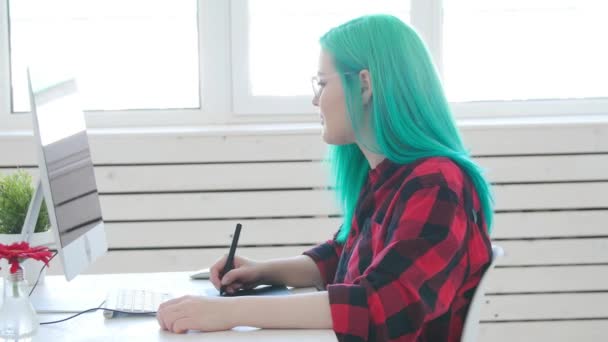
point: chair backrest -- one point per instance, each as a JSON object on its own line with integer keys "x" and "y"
{"x": 471, "y": 323}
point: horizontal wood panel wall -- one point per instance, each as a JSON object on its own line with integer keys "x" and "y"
{"x": 170, "y": 202}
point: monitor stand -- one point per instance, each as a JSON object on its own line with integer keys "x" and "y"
{"x": 29, "y": 225}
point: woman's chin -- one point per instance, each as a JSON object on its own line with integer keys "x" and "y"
{"x": 335, "y": 139}
{"x": 331, "y": 140}
{"x": 326, "y": 137}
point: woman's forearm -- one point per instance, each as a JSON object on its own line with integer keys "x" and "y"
{"x": 298, "y": 271}
{"x": 297, "y": 311}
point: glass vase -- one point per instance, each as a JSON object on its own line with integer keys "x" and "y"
{"x": 18, "y": 319}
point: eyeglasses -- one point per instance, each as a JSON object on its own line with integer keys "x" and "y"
{"x": 318, "y": 83}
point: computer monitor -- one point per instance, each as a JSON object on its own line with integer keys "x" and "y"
{"x": 67, "y": 179}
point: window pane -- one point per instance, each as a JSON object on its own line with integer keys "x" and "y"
{"x": 127, "y": 54}
{"x": 284, "y": 39}
{"x": 525, "y": 49}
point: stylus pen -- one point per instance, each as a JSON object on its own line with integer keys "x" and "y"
{"x": 230, "y": 260}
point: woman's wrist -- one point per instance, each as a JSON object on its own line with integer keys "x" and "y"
{"x": 297, "y": 311}
{"x": 232, "y": 307}
{"x": 299, "y": 271}
{"x": 268, "y": 273}
{"x": 245, "y": 311}
{"x": 251, "y": 311}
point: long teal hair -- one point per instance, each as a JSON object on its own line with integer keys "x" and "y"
{"x": 409, "y": 115}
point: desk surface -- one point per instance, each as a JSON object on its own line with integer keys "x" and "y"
{"x": 93, "y": 327}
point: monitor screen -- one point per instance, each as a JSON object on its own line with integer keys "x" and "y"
{"x": 67, "y": 157}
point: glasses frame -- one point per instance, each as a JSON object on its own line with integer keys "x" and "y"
{"x": 317, "y": 89}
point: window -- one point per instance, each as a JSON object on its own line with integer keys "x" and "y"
{"x": 525, "y": 49}
{"x": 135, "y": 54}
{"x": 276, "y": 48}
{"x": 284, "y": 37}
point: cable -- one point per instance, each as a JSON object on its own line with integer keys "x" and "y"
{"x": 85, "y": 311}
{"x": 100, "y": 308}
{"x": 40, "y": 273}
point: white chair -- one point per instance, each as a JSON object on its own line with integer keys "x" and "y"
{"x": 471, "y": 323}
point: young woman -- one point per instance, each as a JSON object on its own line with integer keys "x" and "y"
{"x": 414, "y": 242}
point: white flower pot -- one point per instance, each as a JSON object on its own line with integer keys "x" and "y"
{"x": 30, "y": 267}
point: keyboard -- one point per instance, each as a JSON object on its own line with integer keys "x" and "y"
{"x": 133, "y": 301}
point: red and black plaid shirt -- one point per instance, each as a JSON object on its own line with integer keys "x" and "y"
{"x": 414, "y": 257}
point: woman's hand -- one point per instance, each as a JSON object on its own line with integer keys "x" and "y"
{"x": 196, "y": 313}
{"x": 245, "y": 275}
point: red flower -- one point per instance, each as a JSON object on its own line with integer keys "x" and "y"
{"x": 19, "y": 251}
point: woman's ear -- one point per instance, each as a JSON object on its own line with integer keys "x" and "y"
{"x": 366, "y": 86}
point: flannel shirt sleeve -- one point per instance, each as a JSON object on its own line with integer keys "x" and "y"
{"x": 326, "y": 255}
{"x": 414, "y": 278}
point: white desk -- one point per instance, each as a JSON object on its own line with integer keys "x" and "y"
{"x": 93, "y": 327}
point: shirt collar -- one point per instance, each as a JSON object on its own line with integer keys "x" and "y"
{"x": 379, "y": 170}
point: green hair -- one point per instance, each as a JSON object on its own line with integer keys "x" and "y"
{"x": 410, "y": 117}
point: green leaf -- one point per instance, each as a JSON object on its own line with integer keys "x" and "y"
{"x": 16, "y": 192}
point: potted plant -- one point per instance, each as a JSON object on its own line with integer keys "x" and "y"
{"x": 16, "y": 191}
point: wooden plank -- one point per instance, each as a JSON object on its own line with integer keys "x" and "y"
{"x": 313, "y": 230}
{"x": 278, "y": 175}
{"x": 551, "y": 196}
{"x": 218, "y": 205}
{"x": 545, "y": 306}
{"x": 204, "y": 177}
{"x": 554, "y": 252}
{"x": 194, "y": 148}
{"x": 321, "y": 202}
{"x": 545, "y": 168}
{"x": 548, "y": 279}
{"x": 316, "y": 174}
{"x": 132, "y": 148}
{"x": 585, "y": 223}
{"x": 189, "y": 145}
{"x": 554, "y": 331}
{"x": 142, "y": 261}
{"x": 273, "y": 232}
{"x": 212, "y": 177}
{"x": 219, "y": 233}
{"x": 539, "y": 138}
